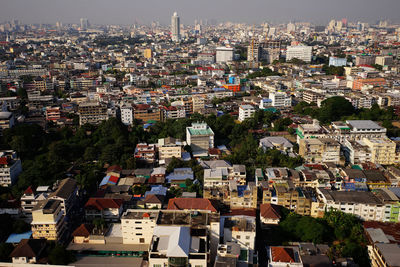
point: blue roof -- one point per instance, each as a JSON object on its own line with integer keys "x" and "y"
{"x": 180, "y": 174}
{"x": 219, "y": 89}
{"x": 157, "y": 190}
{"x": 16, "y": 238}
{"x": 241, "y": 189}
{"x": 186, "y": 156}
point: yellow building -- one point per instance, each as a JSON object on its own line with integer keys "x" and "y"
{"x": 48, "y": 220}
{"x": 148, "y": 53}
{"x": 383, "y": 150}
{"x": 320, "y": 150}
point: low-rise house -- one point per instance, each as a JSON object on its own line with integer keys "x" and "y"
{"x": 276, "y": 142}
{"x": 284, "y": 256}
{"x": 269, "y": 214}
{"x": 29, "y": 251}
{"x": 192, "y": 204}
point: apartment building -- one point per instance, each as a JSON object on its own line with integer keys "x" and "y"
{"x": 360, "y": 83}
{"x": 92, "y": 113}
{"x": 66, "y": 191}
{"x": 138, "y": 226}
{"x": 280, "y": 100}
{"x": 147, "y": 113}
{"x": 300, "y": 52}
{"x": 7, "y": 120}
{"x": 320, "y": 150}
{"x": 364, "y": 205}
{"x": 53, "y": 113}
{"x": 296, "y": 199}
{"x": 169, "y": 148}
{"x": 241, "y": 196}
{"x": 127, "y": 114}
{"x": 198, "y": 103}
{"x": 242, "y": 231}
{"x": 200, "y": 137}
{"x": 145, "y": 152}
{"x": 383, "y": 150}
{"x": 48, "y": 220}
{"x": 10, "y": 167}
{"x": 246, "y": 112}
{"x": 356, "y": 152}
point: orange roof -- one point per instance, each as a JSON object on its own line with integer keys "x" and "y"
{"x": 281, "y": 254}
{"x": 103, "y": 203}
{"x": 83, "y": 230}
{"x": 192, "y": 204}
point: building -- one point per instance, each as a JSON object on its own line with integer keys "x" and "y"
{"x": 384, "y": 60}
{"x": 175, "y": 28}
{"x": 224, "y": 54}
{"x": 198, "y": 103}
{"x": 169, "y": 148}
{"x": 127, "y": 114}
{"x": 383, "y": 150}
{"x": 356, "y": 152}
{"x": 138, "y": 225}
{"x": 92, "y": 113}
{"x": 360, "y": 83}
{"x": 246, "y": 112}
{"x": 280, "y": 100}
{"x": 145, "y": 152}
{"x": 337, "y": 61}
{"x": 148, "y": 53}
{"x": 178, "y": 246}
{"x": 303, "y": 53}
{"x": 10, "y": 167}
{"x": 66, "y": 191}
{"x": 241, "y": 196}
{"x": 29, "y": 251}
{"x": 48, "y": 220}
{"x": 365, "y": 60}
{"x": 269, "y": 214}
{"x": 287, "y": 256}
{"x": 364, "y": 205}
{"x": 84, "y": 24}
{"x": 147, "y": 113}
{"x": 312, "y": 97}
{"x": 241, "y": 230}
{"x": 200, "y": 137}
{"x": 7, "y": 120}
{"x": 53, "y": 113}
{"x": 276, "y": 142}
{"x": 320, "y": 150}
{"x": 104, "y": 208}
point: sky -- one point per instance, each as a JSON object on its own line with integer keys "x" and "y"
{"x": 248, "y": 11}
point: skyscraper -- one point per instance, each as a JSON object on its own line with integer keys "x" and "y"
{"x": 84, "y": 24}
{"x": 175, "y": 28}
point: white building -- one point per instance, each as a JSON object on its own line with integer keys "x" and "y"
{"x": 301, "y": 52}
{"x": 176, "y": 246}
{"x": 224, "y": 54}
{"x": 364, "y": 205}
{"x": 10, "y": 167}
{"x": 138, "y": 225}
{"x": 280, "y": 100}
{"x": 200, "y": 137}
{"x": 127, "y": 115}
{"x": 245, "y": 112}
{"x": 175, "y": 27}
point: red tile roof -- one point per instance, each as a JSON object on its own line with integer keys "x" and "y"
{"x": 269, "y": 211}
{"x": 83, "y": 230}
{"x": 280, "y": 254}
{"x": 103, "y": 203}
{"x": 29, "y": 191}
{"x": 245, "y": 212}
{"x": 192, "y": 204}
{"x": 3, "y": 161}
{"x": 114, "y": 168}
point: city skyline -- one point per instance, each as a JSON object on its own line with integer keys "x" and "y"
{"x": 255, "y": 11}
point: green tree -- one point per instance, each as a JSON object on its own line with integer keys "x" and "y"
{"x": 60, "y": 256}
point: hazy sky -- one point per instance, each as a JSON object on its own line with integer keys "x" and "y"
{"x": 145, "y": 11}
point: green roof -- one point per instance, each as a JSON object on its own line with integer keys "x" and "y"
{"x": 243, "y": 255}
{"x": 356, "y": 167}
{"x": 206, "y": 131}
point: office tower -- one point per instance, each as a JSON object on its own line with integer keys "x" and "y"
{"x": 84, "y": 23}
{"x": 175, "y": 28}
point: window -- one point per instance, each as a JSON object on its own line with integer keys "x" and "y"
{"x": 238, "y": 236}
{"x": 141, "y": 240}
{"x": 247, "y": 237}
{"x": 138, "y": 228}
{"x": 156, "y": 265}
{"x": 139, "y": 234}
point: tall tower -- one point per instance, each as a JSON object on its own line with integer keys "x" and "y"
{"x": 175, "y": 28}
{"x": 84, "y": 24}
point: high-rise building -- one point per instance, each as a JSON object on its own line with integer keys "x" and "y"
{"x": 84, "y": 23}
{"x": 224, "y": 54}
{"x": 300, "y": 52}
{"x": 175, "y": 28}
